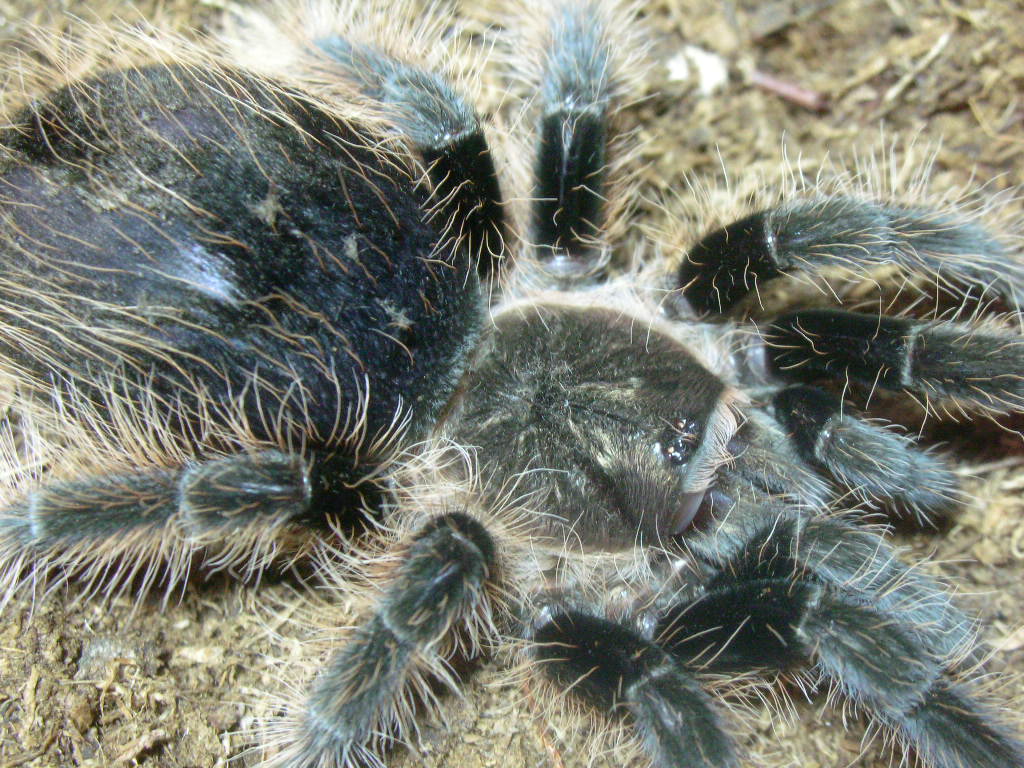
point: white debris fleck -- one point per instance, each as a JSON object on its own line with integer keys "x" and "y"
{"x": 206, "y": 271}
{"x": 712, "y": 70}
{"x": 678, "y": 67}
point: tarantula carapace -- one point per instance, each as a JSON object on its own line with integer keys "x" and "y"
{"x": 254, "y": 317}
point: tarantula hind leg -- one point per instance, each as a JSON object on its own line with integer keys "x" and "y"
{"x": 806, "y": 235}
{"x": 446, "y": 131}
{"x": 148, "y": 527}
{"x": 787, "y": 596}
{"x": 941, "y": 361}
{"x": 614, "y": 669}
{"x": 367, "y": 693}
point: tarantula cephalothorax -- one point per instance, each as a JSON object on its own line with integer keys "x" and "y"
{"x": 237, "y": 319}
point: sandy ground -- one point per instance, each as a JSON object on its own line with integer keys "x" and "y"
{"x": 90, "y": 685}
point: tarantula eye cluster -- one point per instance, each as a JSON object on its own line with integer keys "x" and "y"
{"x": 276, "y": 305}
{"x": 679, "y": 440}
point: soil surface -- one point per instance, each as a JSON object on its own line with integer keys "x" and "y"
{"x": 85, "y": 684}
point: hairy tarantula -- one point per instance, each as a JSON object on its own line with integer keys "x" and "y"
{"x": 271, "y": 306}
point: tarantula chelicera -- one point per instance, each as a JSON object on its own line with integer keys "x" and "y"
{"x": 252, "y": 319}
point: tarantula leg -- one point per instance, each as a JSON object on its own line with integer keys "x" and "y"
{"x": 795, "y": 561}
{"x": 850, "y": 557}
{"x": 146, "y": 526}
{"x": 362, "y": 697}
{"x": 843, "y": 556}
{"x": 446, "y": 131}
{"x": 875, "y": 463}
{"x": 613, "y": 668}
{"x": 575, "y": 97}
{"x": 940, "y": 360}
{"x": 776, "y": 624}
{"x": 762, "y": 457}
{"x": 811, "y": 234}
{"x": 769, "y": 607}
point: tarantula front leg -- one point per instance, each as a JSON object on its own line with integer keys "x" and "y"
{"x": 614, "y": 669}
{"x": 877, "y": 464}
{"x": 837, "y": 552}
{"x": 362, "y": 698}
{"x": 800, "y": 429}
{"x": 806, "y": 235}
{"x": 940, "y": 361}
{"x": 796, "y": 591}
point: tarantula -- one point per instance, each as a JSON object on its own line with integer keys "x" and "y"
{"x": 253, "y": 320}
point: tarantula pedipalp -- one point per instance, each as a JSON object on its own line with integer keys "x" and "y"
{"x": 232, "y": 281}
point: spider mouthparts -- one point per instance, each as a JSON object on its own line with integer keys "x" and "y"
{"x": 680, "y": 519}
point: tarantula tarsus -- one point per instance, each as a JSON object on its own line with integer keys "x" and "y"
{"x": 241, "y": 314}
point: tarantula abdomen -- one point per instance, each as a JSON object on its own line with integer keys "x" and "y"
{"x": 278, "y": 254}
{"x": 223, "y": 303}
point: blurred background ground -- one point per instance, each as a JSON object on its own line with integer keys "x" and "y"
{"x": 94, "y": 686}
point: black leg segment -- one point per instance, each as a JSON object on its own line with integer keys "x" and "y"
{"x": 877, "y": 464}
{"x": 362, "y": 696}
{"x": 613, "y": 668}
{"x": 727, "y": 264}
{"x": 940, "y": 360}
{"x": 469, "y": 202}
{"x": 806, "y": 235}
{"x": 576, "y": 92}
{"x": 810, "y": 345}
{"x": 570, "y": 175}
{"x": 777, "y": 603}
{"x": 154, "y": 526}
{"x": 446, "y": 131}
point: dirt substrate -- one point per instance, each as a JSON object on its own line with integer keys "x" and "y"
{"x": 92, "y": 685}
